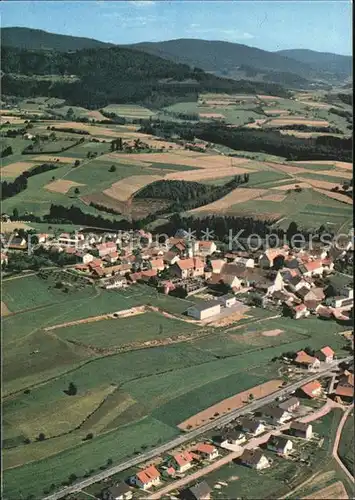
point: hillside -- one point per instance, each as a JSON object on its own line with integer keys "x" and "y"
{"x": 323, "y": 61}
{"x": 33, "y": 39}
{"x": 95, "y": 77}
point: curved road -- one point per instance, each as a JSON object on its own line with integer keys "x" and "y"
{"x": 221, "y": 421}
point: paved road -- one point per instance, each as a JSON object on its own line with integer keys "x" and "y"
{"x": 221, "y": 421}
{"x": 251, "y": 444}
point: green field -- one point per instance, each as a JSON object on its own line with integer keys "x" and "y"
{"x": 117, "y": 332}
{"x": 327, "y": 178}
{"x": 129, "y": 110}
{"x": 346, "y": 445}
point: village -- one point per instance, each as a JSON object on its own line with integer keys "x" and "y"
{"x": 292, "y": 281}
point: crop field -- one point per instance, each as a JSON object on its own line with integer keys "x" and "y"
{"x": 346, "y": 445}
{"x": 61, "y": 186}
{"x": 15, "y": 169}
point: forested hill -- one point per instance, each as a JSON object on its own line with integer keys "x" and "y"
{"x": 96, "y": 77}
{"x": 32, "y": 39}
{"x": 322, "y": 61}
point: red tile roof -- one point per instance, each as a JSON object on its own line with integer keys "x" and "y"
{"x": 327, "y": 351}
{"x": 105, "y": 246}
{"x": 148, "y": 475}
{"x": 311, "y": 388}
{"x": 157, "y": 263}
{"x": 346, "y": 391}
{"x": 192, "y": 263}
{"x": 95, "y": 263}
{"x": 313, "y": 265}
{"x": 300, "y": 307}
{"x": 183, "y": 458}
{"x": 304, "y": 358}
{"x": 205, "y": 448}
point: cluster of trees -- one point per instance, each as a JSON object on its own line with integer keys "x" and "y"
{"x": 121, "y": 75}
{"x": 104, "y": 208}
{"x": 71, "y": 131}
{"x": 188, "y": 195}
{"x": 346, "y": 98}
{"x": 265, "y": 141}
{"x": 7, "y": 151}
{"x": 9, "y": 189}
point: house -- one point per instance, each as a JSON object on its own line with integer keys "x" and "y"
{"x": 146, "y": 478}
{"x": 312, "y": 389}
{"x": 304, "y": 360}
{"x": 170, "y": 258}
{"x": 326, "y": 354}
{"x": 206, "y": 451}
{"x": 290, "y": 404}
{"x": 201, "y": 491}
{"x": 86, "y": 258}
{"x": 204, "y": 310}
{"x": 81, "y": 267}
{"x": 227, "y": 300}
{"x": 245, "y": 262}
{"x": 312, "y": 268}
{"x": 280, "y": 296}
{"x": 17, "y": 243}
{"x": 120, "y": 491}
{"x": 253, "y": 427}
{"x": 4, "y": 259}
{"x": 266, "y": 260}
{"x": 188, "y": 268}
{"x": 42, "y": 237}
{"x": 280, "y": 444}
{"x": 157, "y": 264}
{"x": 298, "y": 282}
{"x": 233, "y": 438}
{"x": 114, "y": 283}
{"x": 300, "y": 311}
{"x": 180, "y": 462}
{"x": 106, "y": 248}
{"x": 300, "y": 429}
{"x": 66, "y": 240}
{"x": 217, "y": 265}
{"x": 111, "y": 257}
{"x": 340, "y": 301}
{"x": 254, "y": 459}
{"x": 313, "y": 297}
{"x": 206, "y": 247}
{"x": 324, "y": 312}
{"x": 276, "y": 414}
{"x": 345, "y": 393}
{"x": 93, "y": 264}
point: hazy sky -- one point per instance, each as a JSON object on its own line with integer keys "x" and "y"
{"x": 270, "y": 25}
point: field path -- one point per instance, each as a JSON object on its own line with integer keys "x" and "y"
{"x": 337, "y": 440}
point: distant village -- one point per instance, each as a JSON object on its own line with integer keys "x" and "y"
{"x": 294, "y": 281}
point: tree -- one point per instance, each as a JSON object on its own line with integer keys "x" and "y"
{"x": 70, "y": 113}
{"x": 76, "y": 163}
{"x": 77, "y": 191}
{"x": 88, "y": 436}
{"x": 291, "y": 230}
{"x": 112, "y": 168}
{"x": 41, "y": 437}
{"x": 251, "y": 397}
{"x": 15, "y": 213}
{"x": 72, "y": 389}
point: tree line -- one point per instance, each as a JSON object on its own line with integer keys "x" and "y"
{"x": 9, "y": 189}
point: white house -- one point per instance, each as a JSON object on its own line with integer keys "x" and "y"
{"x": 204, "y": 310}
{"x": 180, "y": 462}
{"x": 280, "y": 444}
{"x": 255, "y": 459}
{"x": 146, "y": 478}
{"x": 206, "y": 247}
{"x": 227, "y": 300}
{"x": 276, "y": 414}
{"x": 86, "y": 258}
{"x": 245, "y": 262}
{"x": 206, "y": 451}
{"x": 326, "y": 354}
{"x": 233, "y": 438}
{"x": 300, "y": 429}
{"x": 253, "y": 427}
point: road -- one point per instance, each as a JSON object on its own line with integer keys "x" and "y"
{"x": 252, "y": 444}
{"x": 221, "y": 421}
{"x": 337, "y": 440}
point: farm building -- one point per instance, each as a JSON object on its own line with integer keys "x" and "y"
{"x": 312, "y": 389}
{"x": 280, "y": 444}
{"x": 326, "y": 354}
{"x": 254, "y": 459}
{"x": 146, "y": 478}
{"x": 206, "y": 451}
{"x": 290, "y": 404}
{"x": 300, "y": 429}
{"x": 204, "y": 310}
{"x": 227, "y": 300}
{"x": 120, "y": 491}
{"x": 345, "y": 393}
{"x": 201, "y": 491}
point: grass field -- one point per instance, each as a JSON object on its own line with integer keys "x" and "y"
{"x": 346, "y": 445}
{"x": 117, "y": 332}
{"x": 129, "y": 110}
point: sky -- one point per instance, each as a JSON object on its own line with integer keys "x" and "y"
{"x": 324, "y": 26}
